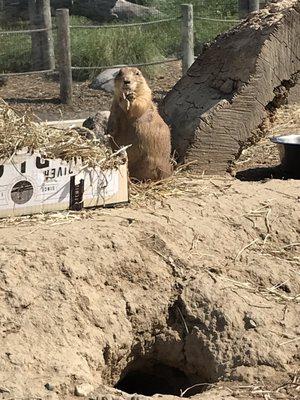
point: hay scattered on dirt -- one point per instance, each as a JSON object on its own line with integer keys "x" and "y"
{"x": 19, "y": 132}
{"x": 47, "y": 218}
{"x": 287, "y": 390}
{"x": 286, "y": 121}
{"x": 141, "y": 194}
{"x": 181, "y": 182}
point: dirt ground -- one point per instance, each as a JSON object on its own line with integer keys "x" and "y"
{"x": 195, "y": 282}
{"x": 40, "y": 95}
{"x": 206, "y": 283}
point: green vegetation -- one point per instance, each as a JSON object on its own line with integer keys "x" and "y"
{"x": 111, "y": 46}
{"x": 130, "y": 45}
{"x": 14, "y": 53}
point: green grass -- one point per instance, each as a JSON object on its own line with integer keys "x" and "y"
{"x": 14, "y": 53}
{"x": 111, "y": 46}
{"x": 131, "y": 45}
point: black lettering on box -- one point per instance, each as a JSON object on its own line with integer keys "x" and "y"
{"x": 76, "y": 194}
{"x": 41, "y": 163}
{"x": 23, "y": 167}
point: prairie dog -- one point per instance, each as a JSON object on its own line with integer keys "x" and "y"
{"x": 134, "y": 119}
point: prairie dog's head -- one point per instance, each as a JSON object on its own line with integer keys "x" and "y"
{"x": 131, "y": 80}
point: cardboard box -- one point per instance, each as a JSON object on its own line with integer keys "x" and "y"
{"x": 30, "y": 184}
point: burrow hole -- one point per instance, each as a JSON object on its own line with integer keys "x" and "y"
{"x": 151, "y": 377}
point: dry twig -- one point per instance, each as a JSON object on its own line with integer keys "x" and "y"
{"x": 244, "y": 248}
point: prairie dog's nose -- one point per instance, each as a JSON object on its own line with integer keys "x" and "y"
{"x": 126, "y": 82}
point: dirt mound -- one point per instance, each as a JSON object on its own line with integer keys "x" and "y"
{"x": 198, "y": 289}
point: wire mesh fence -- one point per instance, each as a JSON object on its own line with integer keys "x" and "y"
{"x": 106, "y": 33}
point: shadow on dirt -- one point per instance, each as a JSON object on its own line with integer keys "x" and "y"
{"x": 264, "y": 174}
{"x": 51, "y": 100}
{"x": 157, "y": 378}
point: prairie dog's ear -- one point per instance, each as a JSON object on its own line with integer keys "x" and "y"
{"x": 119, "y": 74}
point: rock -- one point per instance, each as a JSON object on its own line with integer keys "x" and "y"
{"x": 98, "y": 124}
{"x": 249, "y": 322}
{"x": 3, "y": 80}
{"x": 125, "y": 10}
{"x": 50, "y": 387}
{"x": 4, "y": 390}
{"x": 83, "y": 390}
{"x": 98, "y": 10}
{"x": 105, "y": 80}
{"x": 106, "y": 10}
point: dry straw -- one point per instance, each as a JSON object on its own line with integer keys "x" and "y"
{"x": 19, "y": 132}
{"x": 286, "y": 121}
{"x": 182, "y": 182}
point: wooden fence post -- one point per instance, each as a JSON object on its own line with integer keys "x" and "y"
{"x": 253, "y": 5}
{"x": 64, "y": 55}
{"x": 243, "y": 9}
{"x": 247, "y": 6}
{"x": 42, "y": 48}
{"x": 187, "y": 37}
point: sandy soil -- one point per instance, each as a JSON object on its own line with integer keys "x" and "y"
{"x": 196, "y": 281}
{"x": 207, "y": 283}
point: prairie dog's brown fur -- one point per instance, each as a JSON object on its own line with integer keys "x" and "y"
{"x": 134, "y": 120}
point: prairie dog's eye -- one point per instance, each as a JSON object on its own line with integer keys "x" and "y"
{"x": 138, "y": 73}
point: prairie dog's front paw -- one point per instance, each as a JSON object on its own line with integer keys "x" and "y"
{"x": 125, "y": 103}
{"x": 130, "y": 96}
